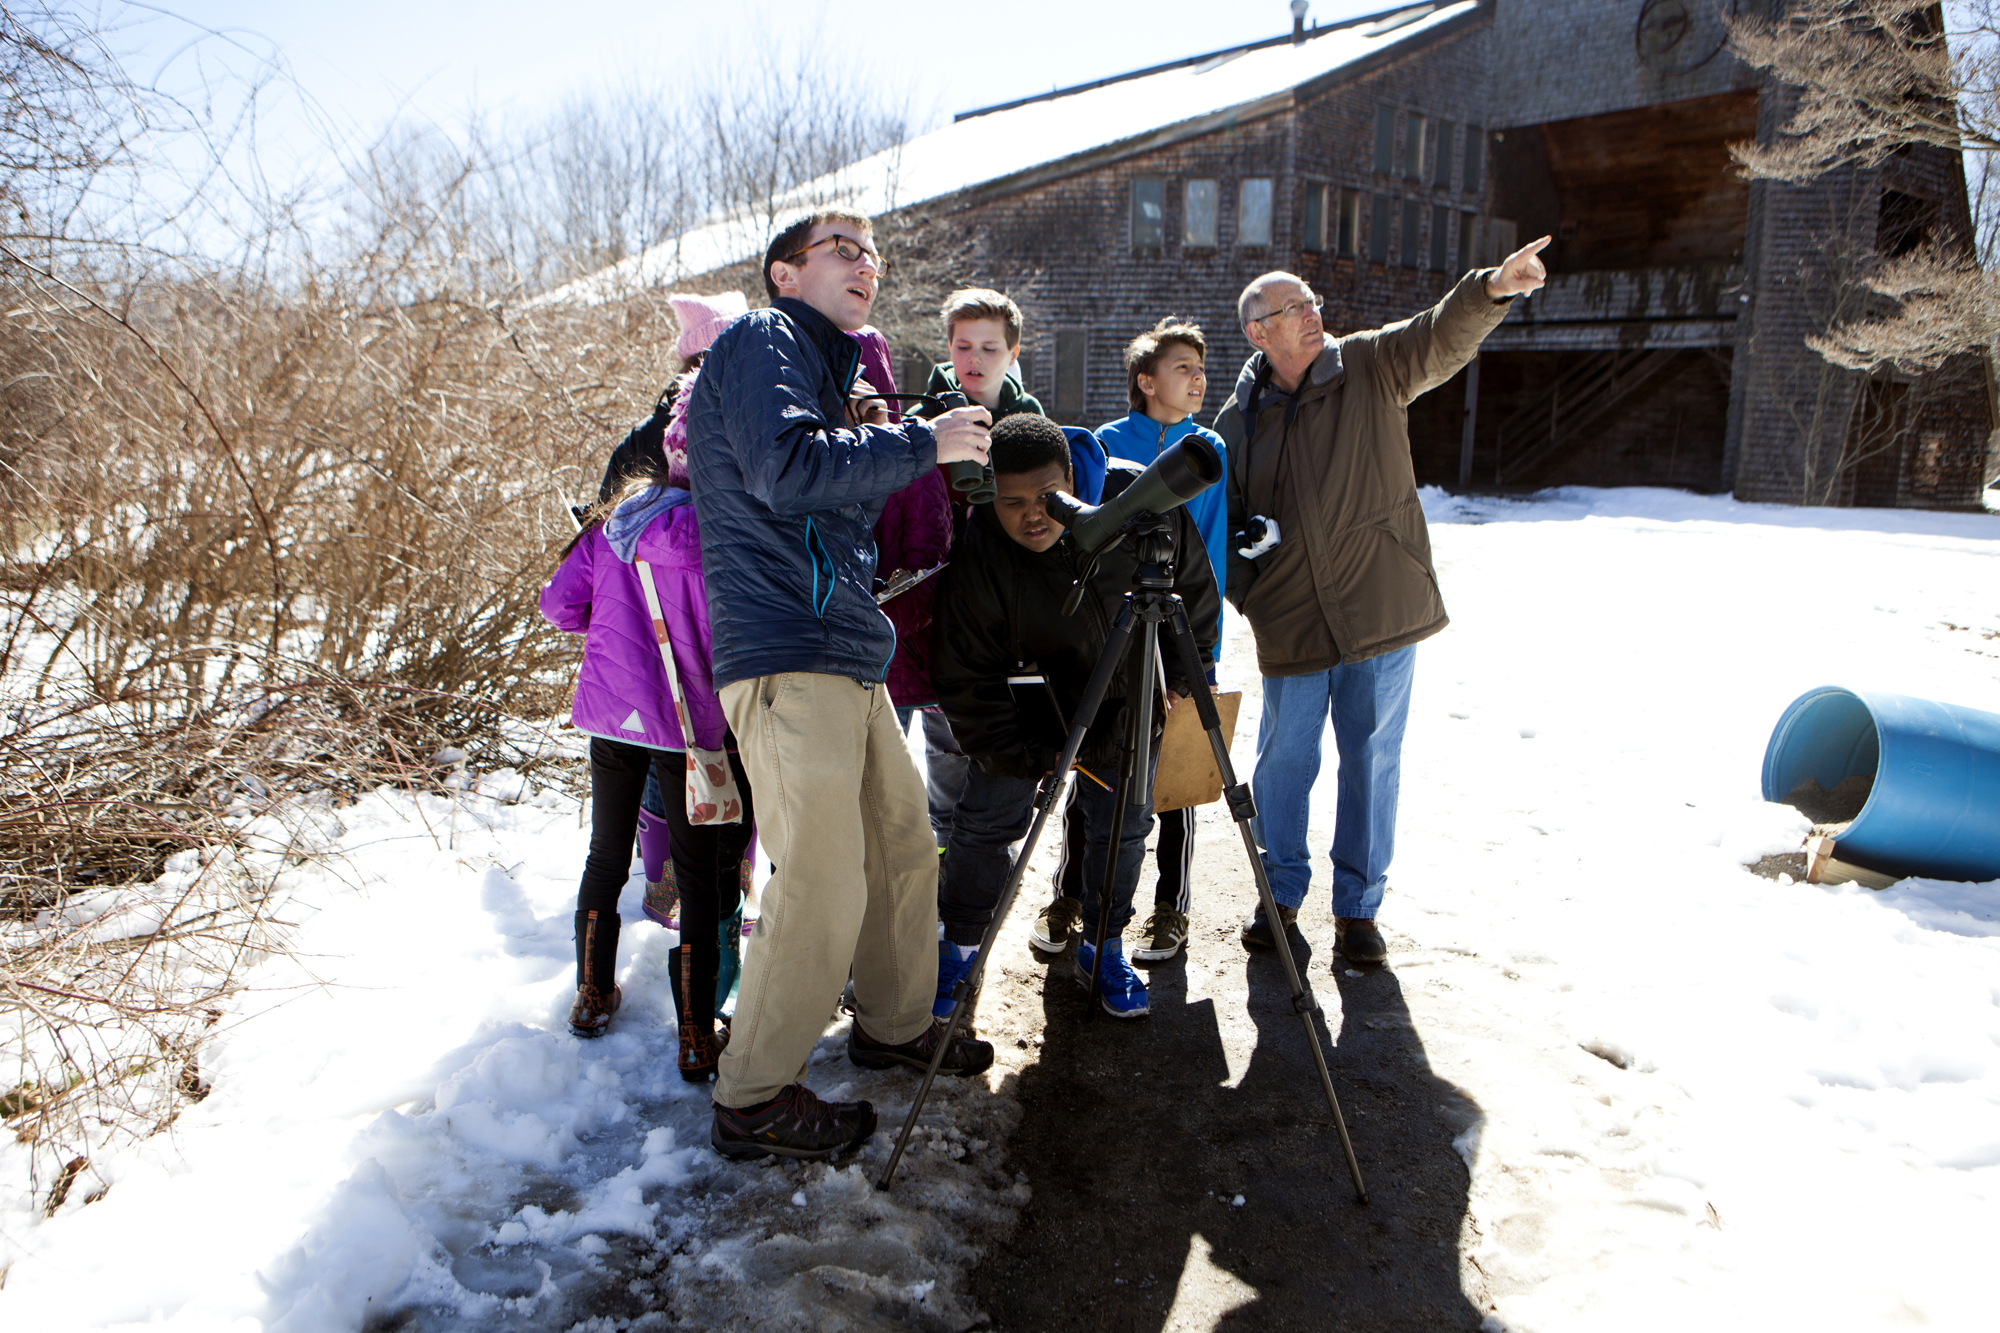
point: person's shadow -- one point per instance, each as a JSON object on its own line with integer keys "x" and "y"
{"x": 1138, "y": 1147}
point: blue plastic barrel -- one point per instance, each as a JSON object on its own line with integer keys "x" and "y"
{"x": 1934, "y": 810}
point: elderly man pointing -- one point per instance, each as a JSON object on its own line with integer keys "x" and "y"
{"x": 1330, "y": 562}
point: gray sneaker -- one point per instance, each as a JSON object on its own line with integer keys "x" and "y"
{"x": 1164, "y": 935}
{"x": 1057, "y": 925}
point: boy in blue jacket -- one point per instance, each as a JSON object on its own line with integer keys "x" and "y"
{"x": 1165, "y": 380}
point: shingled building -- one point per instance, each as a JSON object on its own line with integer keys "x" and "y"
{"x": 1382, "y": 157}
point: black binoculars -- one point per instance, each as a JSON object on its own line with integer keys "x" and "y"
{"x": 973, "y": 481}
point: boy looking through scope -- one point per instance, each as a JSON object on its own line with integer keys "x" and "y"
{"x": 1004, "y": 613}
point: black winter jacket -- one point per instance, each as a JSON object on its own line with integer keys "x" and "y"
{"x": 1000, "y": 605}
{"x": 788, "y": 496}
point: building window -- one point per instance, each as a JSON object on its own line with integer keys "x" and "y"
{"x": 1313, "y": 233}
{"x": 1199, "y": 217}
{"x": 1253, "y": 215}
{"x": 1149, "y": 223}
{"x": 1468, "y": 229}
{"x": 1071, "y": 346}
{"x": 1903, "y": 223}
{"x": 1350, "y": 222}
{"x": 1412, "y": 215}
{"x": 1198, "y": 224}
{"x": 1385, "y": 140}
{"x": 1378, "y": 230}
{"x": 1413, "y": 146}
{"x": 1442, "y": 176}
{"x": 1475, "y": 149}
{"x": 1440, "y": 224}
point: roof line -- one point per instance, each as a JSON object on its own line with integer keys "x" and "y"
{"x": 1317, "y": 30}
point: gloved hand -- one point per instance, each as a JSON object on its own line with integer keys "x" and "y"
{"x": 1256, "y": 537}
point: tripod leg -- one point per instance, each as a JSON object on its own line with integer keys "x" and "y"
{"x": 1129, "y": 794}
{"x": 1046, "y": 800}
{"x": 1243, "y": 809}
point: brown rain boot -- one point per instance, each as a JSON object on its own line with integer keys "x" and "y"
{"x": 701, "y": 1040}
{"x": 597, "y": 995}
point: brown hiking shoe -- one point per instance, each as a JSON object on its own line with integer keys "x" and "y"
{"x": 966, "y": 1057}
{"x": 1257, "y": 930}
{"x": 591, "y": 1013}
{"x": 795, "y": 1123}
{"x": 1357, "y": 937}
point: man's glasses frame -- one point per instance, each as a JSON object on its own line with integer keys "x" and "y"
{"x": 847, "y": 248}
{"x": 1316, "y": 301}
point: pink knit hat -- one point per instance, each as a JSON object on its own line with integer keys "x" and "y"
{"x": 703, "y": 318}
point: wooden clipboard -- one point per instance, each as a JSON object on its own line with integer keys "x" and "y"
{"x": 1187, "y": 774}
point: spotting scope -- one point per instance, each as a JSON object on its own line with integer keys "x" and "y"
{"x": 1182, "y": 471}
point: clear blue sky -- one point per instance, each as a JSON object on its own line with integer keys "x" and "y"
{"x": 361, "y": 62}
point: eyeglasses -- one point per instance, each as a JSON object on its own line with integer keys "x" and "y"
{"x": 1294, "y": 308}
{"x": 847, "y": 248}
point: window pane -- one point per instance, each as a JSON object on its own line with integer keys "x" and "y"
{"x": 1148, "y": 218}
{"x": 1350, "y": 221}
{"x": 1440, "y": 224}
{"x": 1385, "y": 140}
{"x": 1378, "y": 230}
{"x": 1413, "y": 148}
{"x": 1468, "y": 227}
{"x": 1071, "y": 345}
{"x": 1315, "y": 223}
{"x": 1475, "y": 149}
{"x": 1411, "y": 211}
{"x": 1443, "y": 151}
{"x": 1253, "y": 219}
{"x": 1199, "y": 225}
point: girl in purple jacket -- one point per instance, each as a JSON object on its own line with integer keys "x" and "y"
{"x": 623, "y": 701}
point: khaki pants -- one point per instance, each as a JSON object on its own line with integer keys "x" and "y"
{"x": 842, "y": 812}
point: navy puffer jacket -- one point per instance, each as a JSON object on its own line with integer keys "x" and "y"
{"x": 788, "y": 496}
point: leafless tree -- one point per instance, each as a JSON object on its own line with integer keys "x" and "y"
{"x": 1872, "y": 79}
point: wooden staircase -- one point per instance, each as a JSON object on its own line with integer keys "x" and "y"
{"x": 1559, "y": 418}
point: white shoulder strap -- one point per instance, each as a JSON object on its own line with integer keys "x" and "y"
{"x": 666, "y": 651}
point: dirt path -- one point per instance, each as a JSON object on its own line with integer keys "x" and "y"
{"x": 1138, "y": 1137}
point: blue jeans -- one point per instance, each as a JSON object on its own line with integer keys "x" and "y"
{"x": 993, "y": 814}
{"x": 1369, "y": 704}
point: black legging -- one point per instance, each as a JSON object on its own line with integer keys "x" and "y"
{"x": 706, "y": 856}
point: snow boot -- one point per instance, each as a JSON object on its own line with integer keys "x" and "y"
{"x": 1359, "y": 939}
{"x": 663, "y": 899}
{"x": 701, "y": 1040}
{"x": 597, "y": 995}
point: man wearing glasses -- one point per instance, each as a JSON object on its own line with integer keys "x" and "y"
{"x": 1330, "y": 561}
{"x": 788, "y": 493}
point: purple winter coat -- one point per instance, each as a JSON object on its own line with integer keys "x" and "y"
{"x": 621, "y": 692}
{"x": 914, "y": 533}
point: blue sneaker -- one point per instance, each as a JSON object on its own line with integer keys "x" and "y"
{"x": 953, "y": 964}
{"x": 1123, "y": 993}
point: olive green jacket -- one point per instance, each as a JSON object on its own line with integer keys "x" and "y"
{"x": 1013, "y": 398}
{"x": 1351, "y": 577}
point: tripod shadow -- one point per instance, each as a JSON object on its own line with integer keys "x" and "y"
{"x": 1138, "y": 1137}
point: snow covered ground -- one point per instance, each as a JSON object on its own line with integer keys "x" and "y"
{"x": 1709, "y": 1098}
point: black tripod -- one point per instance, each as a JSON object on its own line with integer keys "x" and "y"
{"x": 1149, "y": 602}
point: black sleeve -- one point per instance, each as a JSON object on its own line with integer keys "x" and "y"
{"x": 970, "y": 656}
{"x": 1194, "y": 580}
